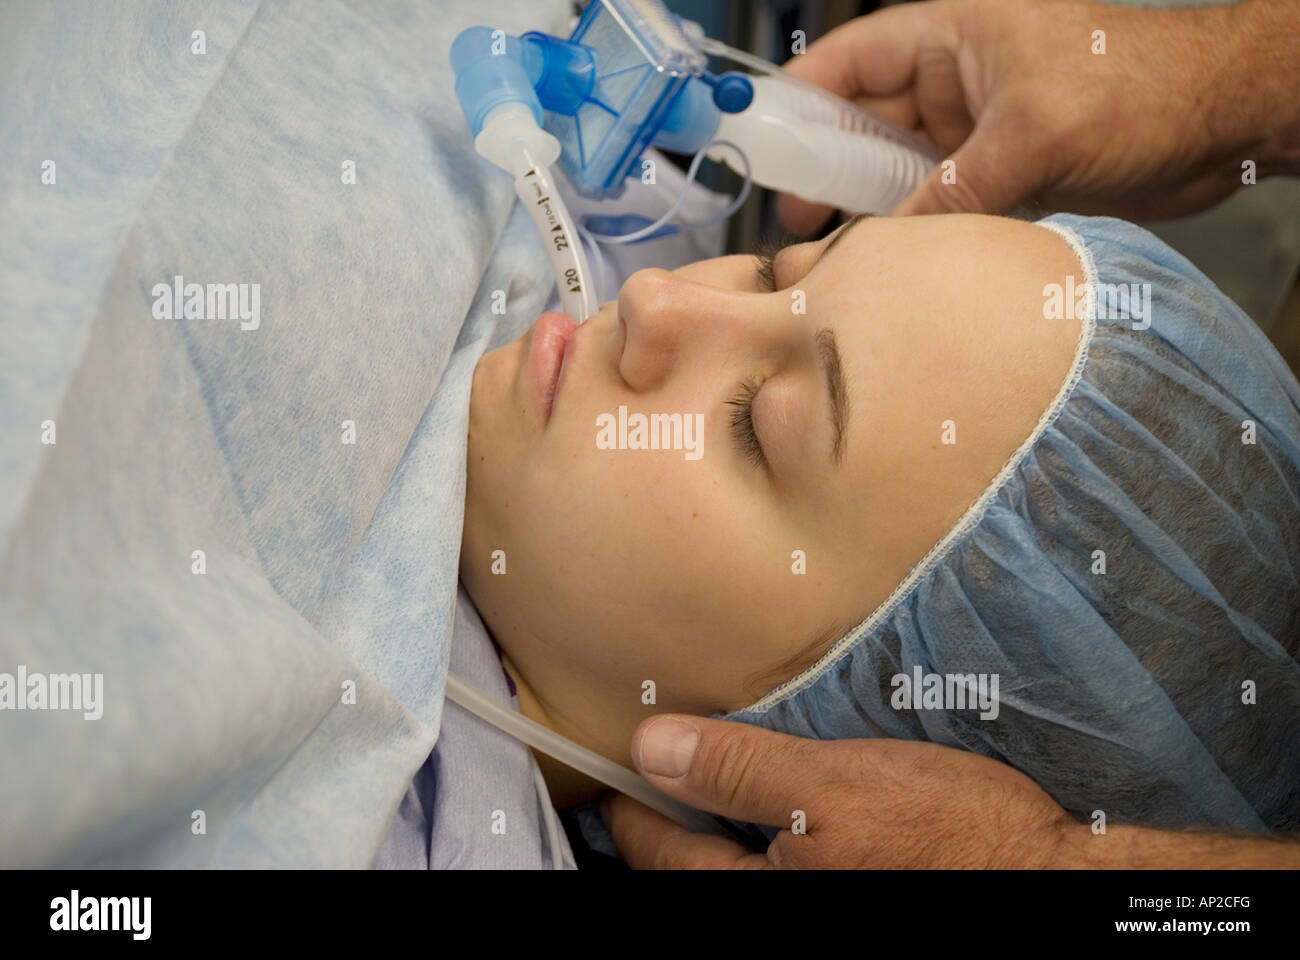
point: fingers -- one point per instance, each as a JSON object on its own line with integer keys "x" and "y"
{"x": 873, "y": 62}
{"x": 649, "y": 841}
{"x": 898, "y": 110}
{"x": 942, "y": 101}
{"x": 875, "y": 54}
{"x": 733, "y": 769}
{"x": 991, "y": 172}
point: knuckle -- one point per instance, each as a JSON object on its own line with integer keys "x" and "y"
{"x": 961, "y": 196}
{"x": 727, "y": 767}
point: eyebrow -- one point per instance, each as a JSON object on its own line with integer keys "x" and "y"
{"x": 830, "y": 359}
{"x": 832, "y": 364}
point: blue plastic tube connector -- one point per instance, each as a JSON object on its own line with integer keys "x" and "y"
{"x": 493, "y": 68}
{"x": 568, "y": 72}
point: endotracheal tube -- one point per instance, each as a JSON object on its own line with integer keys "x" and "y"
{"x": 506, "y": 118}
{"x": 512, "y": 140}
{"x": 536, "y": 189}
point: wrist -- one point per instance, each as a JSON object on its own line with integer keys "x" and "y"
{"x": 1143, "y": 848}
{"x": 1256, "y": 111}
{"x": 1069, "y": 850}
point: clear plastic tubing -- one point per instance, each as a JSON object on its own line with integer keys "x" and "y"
{"x": 536, "y": 189}
{"x": 578, "y": 757}
{"x": 803, "y": 140}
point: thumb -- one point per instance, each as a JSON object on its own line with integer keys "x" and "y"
{"x": 732, "y": 769}
{"x": 990, "y": 172}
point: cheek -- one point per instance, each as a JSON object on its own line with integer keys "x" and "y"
{"x": 657, "y": 528}
{"x": 495, "y": 417}
{"x": 494, "y": 371}
{"x": 642, "y": 501}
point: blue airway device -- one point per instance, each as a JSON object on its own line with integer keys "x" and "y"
{"x": 631, "y": 76}
{"x": 627, "y": 78}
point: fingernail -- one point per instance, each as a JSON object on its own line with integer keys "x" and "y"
{"x": 667, "y": 747}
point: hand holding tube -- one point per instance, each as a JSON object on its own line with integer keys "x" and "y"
{"x": 878, "y": 804}
{"x": 863, "y": 803}
{"x": 1022, "y": 96}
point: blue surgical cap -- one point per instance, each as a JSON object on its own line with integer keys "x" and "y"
{"x": 1131, "y": 576}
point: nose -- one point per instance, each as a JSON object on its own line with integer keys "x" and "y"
{"x": 670, "y": 321}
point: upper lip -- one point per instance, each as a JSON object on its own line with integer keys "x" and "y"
{"x": 569, "y": 347}
{"x": 547, "y": 338}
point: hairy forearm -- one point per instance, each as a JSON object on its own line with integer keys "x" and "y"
{"x": 1138, "y": 848}
{"x": 1257, "y": 105}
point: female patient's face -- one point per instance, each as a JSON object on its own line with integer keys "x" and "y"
{"x": 818, "y": 477}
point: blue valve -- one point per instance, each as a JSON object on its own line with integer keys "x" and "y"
{"x": 732, "y": 92}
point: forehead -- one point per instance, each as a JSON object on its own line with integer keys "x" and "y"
{"x": 924, "y": 273}
{"x": 940, "y": 319}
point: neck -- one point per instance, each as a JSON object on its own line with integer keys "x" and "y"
{"x": 567, "y": 787}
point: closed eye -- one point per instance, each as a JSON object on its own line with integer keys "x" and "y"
{"x": 766, "y": 270}
{"x": 765, "y": 260}
{"x": 767, "y": 250}
{"x": 742, "y": 423}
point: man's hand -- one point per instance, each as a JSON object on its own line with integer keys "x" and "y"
{"x": 865, "y": 803}
{"x": 879, "y": 804}
{"x": 1021, "y": 95}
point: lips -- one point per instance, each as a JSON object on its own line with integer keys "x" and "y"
{"x": 552, "y": 333}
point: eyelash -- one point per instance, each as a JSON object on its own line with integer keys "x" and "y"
{"x": 742, "y": 422}
{"x": 742, "y": 418}
{"x": 765, "y": 257}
